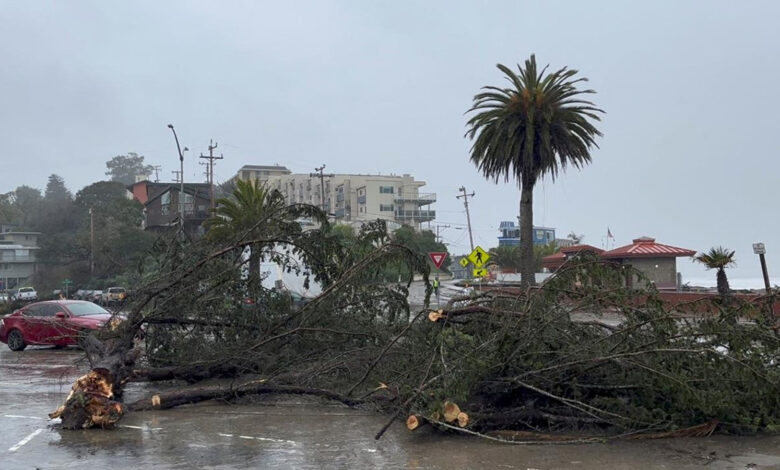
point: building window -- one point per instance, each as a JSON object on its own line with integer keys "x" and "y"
{"x": 540, "y": 234}
{"x": 385, "y": 207}
{"x": 188, "y": 203}
{"x": 165, "y": 203}
{"x": 386, "y": 190}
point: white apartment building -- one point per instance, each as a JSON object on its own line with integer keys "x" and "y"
{"x": 351, "y": 198}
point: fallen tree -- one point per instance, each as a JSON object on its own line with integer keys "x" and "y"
{"x": 580, "y": 354}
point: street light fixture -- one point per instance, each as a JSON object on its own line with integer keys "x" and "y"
{"x": 181, "y": 175}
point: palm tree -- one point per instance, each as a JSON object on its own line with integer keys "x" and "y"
{"x": 535, "y": 127}
{"x": 249, "y": 213}
{"x": 506, "y": 257}
{"x": 718, "y": 258}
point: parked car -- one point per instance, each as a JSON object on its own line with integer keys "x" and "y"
{"x": 4, "y": 297}
{"x": 113, "y": 295}
{"x": 95, "y": 296}
{"x": 55, "y": 322}
{"x": 25, "y": 294}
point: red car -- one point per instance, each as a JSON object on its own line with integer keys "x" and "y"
{"x": 57, "y": 323}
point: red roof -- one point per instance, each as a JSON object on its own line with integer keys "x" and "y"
{"x": 646, "y": 247}
{"x": 578, "y": 248}
{"x": 555, "y": 260}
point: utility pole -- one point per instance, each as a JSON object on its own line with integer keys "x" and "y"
{"x": 322, "y": 182}
{"x": 465, "y": 197}
{"x": 176, "y": 176}
{"x": 438, "y": 238}
{"x": 91, "y": 243}
{"x": 210, "y": 171}
{"x": 157, "y": 169}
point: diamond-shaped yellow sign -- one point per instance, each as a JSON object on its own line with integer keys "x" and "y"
{"x": 479, "y": 257}
{"x": 464, "y": 262}
{"x": 480, "y": 272}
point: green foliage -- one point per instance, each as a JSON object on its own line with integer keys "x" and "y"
{"x": 124, "y": 168}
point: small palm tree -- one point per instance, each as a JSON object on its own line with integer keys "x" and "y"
{"x": 718, "y": 258}
{"x": 536, "y": 126}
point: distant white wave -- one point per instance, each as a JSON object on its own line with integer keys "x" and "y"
{"x": 734, "y": 283}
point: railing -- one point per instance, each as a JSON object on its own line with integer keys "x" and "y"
{"x": 17, "y": 259}
{"x": 420, "y": 199}
{"x": 415, "y": 215}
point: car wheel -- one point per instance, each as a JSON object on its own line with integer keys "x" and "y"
{"x": 15, "y": 340}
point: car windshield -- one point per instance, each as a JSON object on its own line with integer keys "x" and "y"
{"x": 116, "y": 290}
{"x": 86, "y": 308}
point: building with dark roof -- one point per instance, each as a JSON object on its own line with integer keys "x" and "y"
{"x": 161, "y": 205}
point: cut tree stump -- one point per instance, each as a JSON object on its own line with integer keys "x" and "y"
{"x": 413, "y": 422}
{"x": 451, "y": 411}
{"x": 463, "y": 419}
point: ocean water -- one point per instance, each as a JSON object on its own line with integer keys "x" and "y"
{"x": 734, "y": 283}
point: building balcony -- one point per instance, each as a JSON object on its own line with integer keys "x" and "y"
{"x": 419, "y": 199}
{"x": 418, "y": 216}
{"x": 361, "y": 199}
{"x": 17, "y": 259}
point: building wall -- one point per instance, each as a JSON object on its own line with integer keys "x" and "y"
{"x": 17, "y": 258}
{"x": 357, "y": 198}
{"x": 661, "y": 271}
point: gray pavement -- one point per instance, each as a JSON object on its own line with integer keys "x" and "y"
{"x": 285, "y": 433}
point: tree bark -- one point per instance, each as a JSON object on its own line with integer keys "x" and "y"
{"x": 527, "y": 274}
{"x": 723, "y": 283}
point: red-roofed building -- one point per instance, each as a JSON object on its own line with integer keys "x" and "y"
{"x": 656, "y": 261}
{"x": 556, "y": 260}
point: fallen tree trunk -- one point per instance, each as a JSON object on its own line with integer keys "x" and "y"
{"x": 171, "y": 399}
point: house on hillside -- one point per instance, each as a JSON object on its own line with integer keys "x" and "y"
{"x": 161, "y": 205}
{"x": 17, "y": 258}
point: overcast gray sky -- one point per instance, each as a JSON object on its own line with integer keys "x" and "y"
{"x": 689, "y": 88}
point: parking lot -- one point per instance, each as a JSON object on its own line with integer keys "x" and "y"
{"x": 284, "y": 433}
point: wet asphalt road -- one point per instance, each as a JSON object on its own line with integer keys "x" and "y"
{"x": 286, "y": 434}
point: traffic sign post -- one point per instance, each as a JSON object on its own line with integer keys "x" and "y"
{"x": 760, "y": 250}
{"x": 479, "y": 257}
{"x": 66, "y": 283}
{"x": 480, "y": 273}
{"x": 438, "y": 258}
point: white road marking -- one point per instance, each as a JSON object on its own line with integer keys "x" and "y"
{"x": 25, "y": 417}
{"x": 267, "y": 439}
{"x": 142, "y": 428}
{"x": 26, "y": 440}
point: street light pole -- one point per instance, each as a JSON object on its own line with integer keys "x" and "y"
{"x": 181, "y": 191}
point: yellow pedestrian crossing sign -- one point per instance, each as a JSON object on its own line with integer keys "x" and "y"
{"x": 479, "y": 257}
{"x": 464, "y": 261}
{"x": 480, "y": 272}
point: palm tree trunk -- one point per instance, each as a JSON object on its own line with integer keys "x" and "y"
{"x": 527, "y": 275}
{"x": 723, "y": 282}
